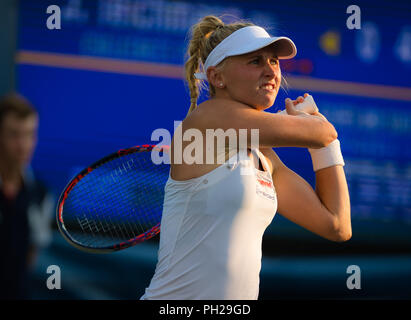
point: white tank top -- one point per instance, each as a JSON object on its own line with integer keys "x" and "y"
{"x": 211, "y": 233}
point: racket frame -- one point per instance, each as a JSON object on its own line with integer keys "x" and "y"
{"x": 60, "y": 205}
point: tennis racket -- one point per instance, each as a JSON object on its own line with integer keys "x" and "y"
{"x": 116, "y": 202}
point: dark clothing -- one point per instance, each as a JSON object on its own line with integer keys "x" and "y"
{"x": 16, "y": 228}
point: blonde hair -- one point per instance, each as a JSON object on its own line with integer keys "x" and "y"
{"x": 206, "y": 35}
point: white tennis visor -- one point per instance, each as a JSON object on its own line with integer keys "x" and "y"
{"x": 246, "y": 40}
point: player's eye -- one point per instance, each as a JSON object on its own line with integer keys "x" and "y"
{"x": 255, "y": 61}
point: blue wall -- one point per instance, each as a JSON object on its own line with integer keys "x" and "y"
{"x": 87, "y": 113}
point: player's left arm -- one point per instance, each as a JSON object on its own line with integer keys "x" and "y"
{"x": 325, "y": 211}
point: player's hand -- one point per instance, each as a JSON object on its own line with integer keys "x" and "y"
{"x": 294, "y": 103}
{"x": 292, "y": 110}
{"x": 312, "y": 113}
{"x": 319, "y": 115}
{"x": 290, "y": 106}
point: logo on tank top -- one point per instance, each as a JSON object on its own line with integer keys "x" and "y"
{"x": 264, "y": 186}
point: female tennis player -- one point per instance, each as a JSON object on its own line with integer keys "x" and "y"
{"x": 214, "y": 215}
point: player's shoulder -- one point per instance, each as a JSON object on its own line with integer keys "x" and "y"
{"x": 222, "y": 105}
{"x": 215, "y": 113}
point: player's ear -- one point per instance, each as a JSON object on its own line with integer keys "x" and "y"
{"x": 215, "y": 77}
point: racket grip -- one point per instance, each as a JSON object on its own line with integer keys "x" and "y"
{"x": 308, "y": 106}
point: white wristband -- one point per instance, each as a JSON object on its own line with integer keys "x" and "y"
{"x": 328, "y": 156}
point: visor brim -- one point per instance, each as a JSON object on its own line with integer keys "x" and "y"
{"x": 286, "y": 48}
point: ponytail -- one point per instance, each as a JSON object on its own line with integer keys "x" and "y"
{"x": 206, "y": 35}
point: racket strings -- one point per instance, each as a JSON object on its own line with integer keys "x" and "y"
{"x": 118, "y": 201}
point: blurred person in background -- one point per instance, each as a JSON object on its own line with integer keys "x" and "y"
{"x": 25, "y": 204}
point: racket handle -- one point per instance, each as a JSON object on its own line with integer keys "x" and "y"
{"x": 308, "y": 106}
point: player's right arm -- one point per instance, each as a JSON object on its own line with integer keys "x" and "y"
{"x": 298, "y": 129}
